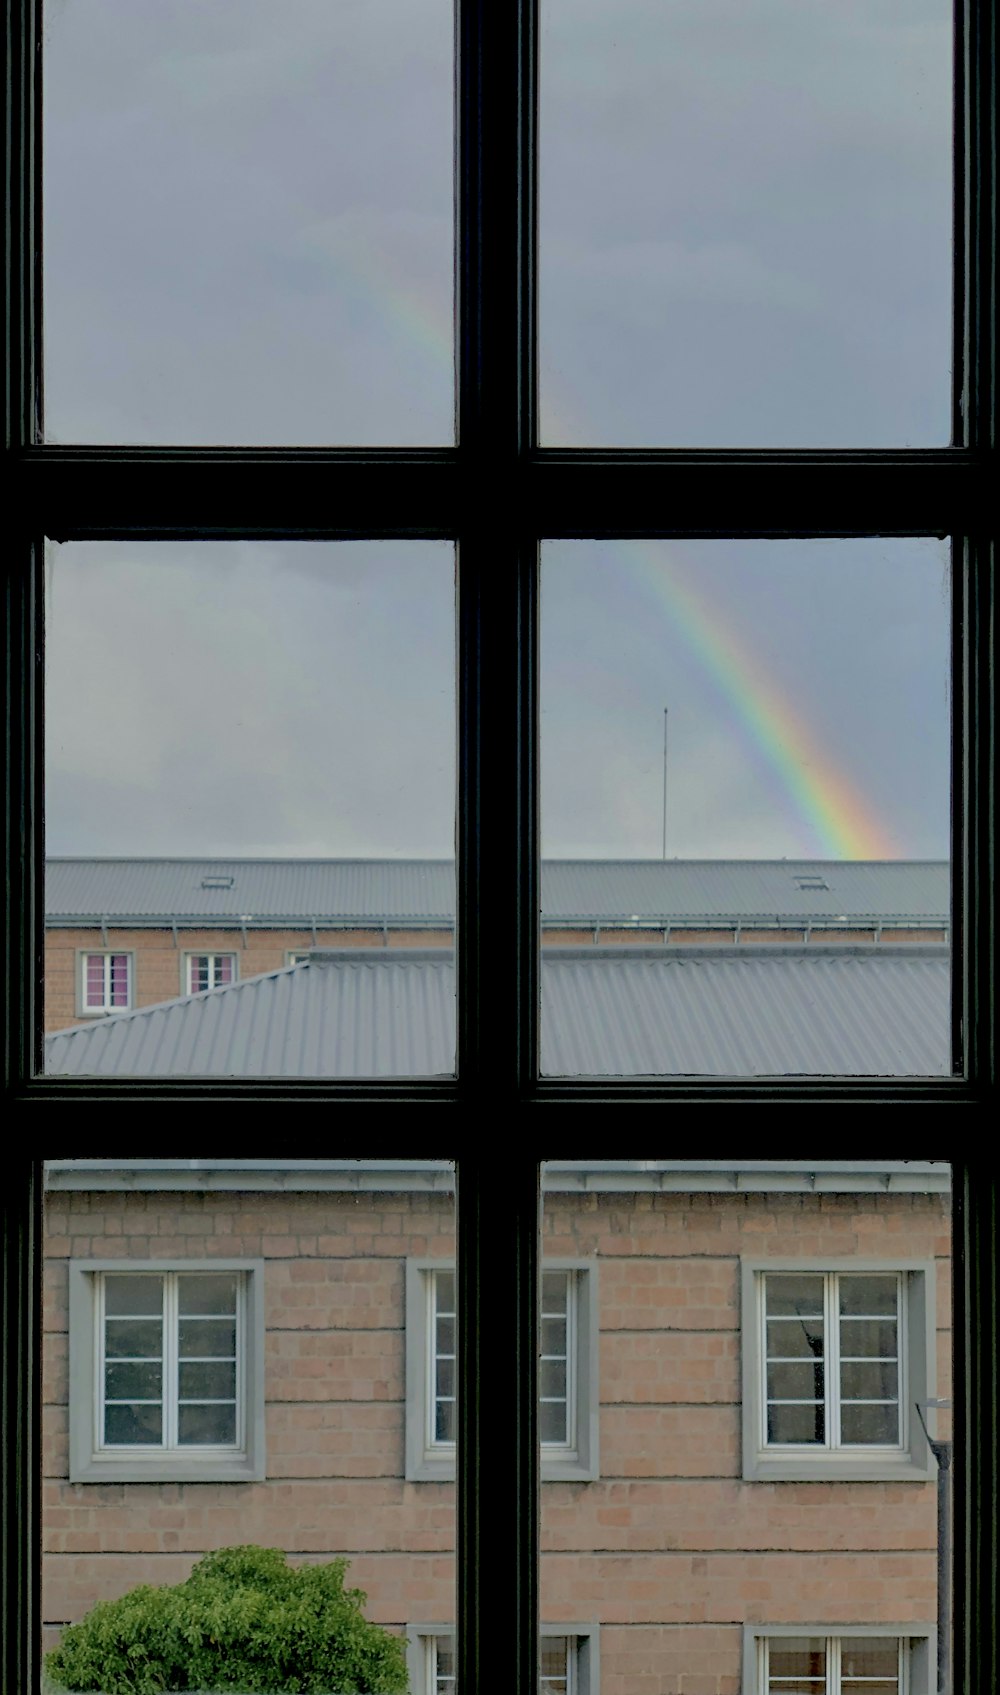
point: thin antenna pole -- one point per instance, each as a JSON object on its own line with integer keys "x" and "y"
{"x": 664, "y": 782}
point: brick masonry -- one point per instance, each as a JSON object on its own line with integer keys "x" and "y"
{"x": 669, "y": 1550}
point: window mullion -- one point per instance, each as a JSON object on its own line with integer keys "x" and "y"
{"x": 171, "y": 1372}
{"x": 832, "y": 1371}
{"x": 498, "y": 1457}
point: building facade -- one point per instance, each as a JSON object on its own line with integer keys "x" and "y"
{"x": 738, "y": 1495}
{"x": 126, "y": 933}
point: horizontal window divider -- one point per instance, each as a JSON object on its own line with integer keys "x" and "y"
{"x": 87, "y": 493}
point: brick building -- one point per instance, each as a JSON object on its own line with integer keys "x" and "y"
{"x": 123, "y": 933}
{"x": 738, "y": 1497}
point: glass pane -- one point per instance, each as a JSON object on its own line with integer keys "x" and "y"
{"x": 128, "y": 1338}
{"x": 274, "y": 773}
{"x": 215, "y": 1337}
{"x": 705, "y": 1515}
{"x": 133, "y": 1426}
{"x": 208, "y": 1426}
{"x": 870, "y": 1380}
{"x": 864, "y": 1338}
{"x": 745, "y": 223}
{"x": 278, "y": 1467}
{"x": 132, "y": 1296}
{"x": 248, "y": 222}
{"x": 795, "y": 1338}
{"x": 796, "y": 1424}
{"x": 207, "y": 1380}
{"x": 552, "y": 1421}
{"x": 133, "y": 1382}
{"x": 868, "y": 1296}
{"x": 745, "y": 795}
{"x": 869, "y": 1656}
{"x": 794, "y": 1298}
{"x": 860, "y": 1424}
{"x": 795, "y": 1382}
{"x": 210, "y": 1295}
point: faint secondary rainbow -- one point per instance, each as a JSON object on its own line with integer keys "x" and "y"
{"x": 838, "y": 817}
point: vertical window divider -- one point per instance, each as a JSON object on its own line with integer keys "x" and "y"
{"x": 831, "y": 1360}
{"x": 171, "y": 1372}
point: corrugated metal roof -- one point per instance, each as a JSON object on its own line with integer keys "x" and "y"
{"x": 605, "y": 1012}
{"x": 423, "y": 891}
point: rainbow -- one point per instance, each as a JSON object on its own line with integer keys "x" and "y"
{"x": 835, "y": 812}
{"x": 840, "y": 821}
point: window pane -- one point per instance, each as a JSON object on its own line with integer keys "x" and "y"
{"x": 796, "y": 1424}
{"x": 216, "y": 1337}
{"x": 745, "y": 794}
{"x": 207, "y": 1381}
{"x": 869, "y": 1656}
{"x": 133, "y": 1338}
{"x": 745, "y": 223}
{"x": 206, "y": 1425}
{"x": 133, "y": 1426}
{"x": 248, "y": 222}
{"x": 211, "y": 1295}
{"x": 874, "y": 1425}
{"x": 133, "y": 1382}
{"x": 281, "y": 1430}
{"x": 251, "y": 756}
{"x": 714, "y": 1519}
{"x": 132, "y": 1296}
{"x": 869, "y": 1296}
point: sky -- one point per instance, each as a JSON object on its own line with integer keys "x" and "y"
{"x": 745, "y": 240}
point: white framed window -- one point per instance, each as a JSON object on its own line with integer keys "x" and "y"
{"x": 568, "y": 1385}
{"x": 836, "y": 1358}
{"x": 166, "y": 1370}
{"x": 850, "y": 1660}
{"x": 104, "y": 978}
{"x": 202, "y": 971}
{"x": 568, "y": 1659}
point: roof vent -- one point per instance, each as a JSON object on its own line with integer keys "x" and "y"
{"x": 217, "y": 881}
{"x": 811, "y": 883}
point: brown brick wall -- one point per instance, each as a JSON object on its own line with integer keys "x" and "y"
{"x": 670, "y": 1550}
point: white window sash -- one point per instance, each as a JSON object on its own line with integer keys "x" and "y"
{"x": 170, "y": 1446}
{"x": 833, "y": 1666}
{"x": 554, "y": 1450}
{"x": 831, "y": 1370}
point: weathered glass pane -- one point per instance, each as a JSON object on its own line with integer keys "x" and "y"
{"x": 133, "y": 1426}
{"x": 133, "y": 1296}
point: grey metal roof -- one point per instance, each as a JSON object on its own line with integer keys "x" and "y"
{"x": 746, "y": 1011}
{"x": 572, "y": 1176}
{"x": 414, "y": 891}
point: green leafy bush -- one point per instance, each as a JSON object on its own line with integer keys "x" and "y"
{"x": 243, "y": 1621}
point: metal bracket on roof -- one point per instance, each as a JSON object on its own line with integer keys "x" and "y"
{"x": 104, "y": 929}
{"x": 173, "y": 926}
{"x": 314, "y": 935}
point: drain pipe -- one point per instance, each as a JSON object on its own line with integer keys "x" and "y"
{"x": 942, "y": 1454}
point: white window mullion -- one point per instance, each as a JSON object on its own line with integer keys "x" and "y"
{"x": 762, "y": 1355}
{"x": 571, "y": 1378}
{"x": 241, "y": 1362}
{"x": 903, "y": 1363}
{"x": 832, "y": 1374}
{"x": 100, "y": 1351}
{"x": 170, "y": 1367}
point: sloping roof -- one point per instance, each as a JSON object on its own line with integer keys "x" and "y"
{"x": 745, "y": 1011}
{"x": 414, "y": 891}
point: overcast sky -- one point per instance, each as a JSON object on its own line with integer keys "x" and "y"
{"x": 745, "y": 240}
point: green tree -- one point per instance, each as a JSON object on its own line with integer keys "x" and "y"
{"x": 244, "y": 1621}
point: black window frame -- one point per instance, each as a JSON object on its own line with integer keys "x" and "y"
{"x": 495, "y": 494}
